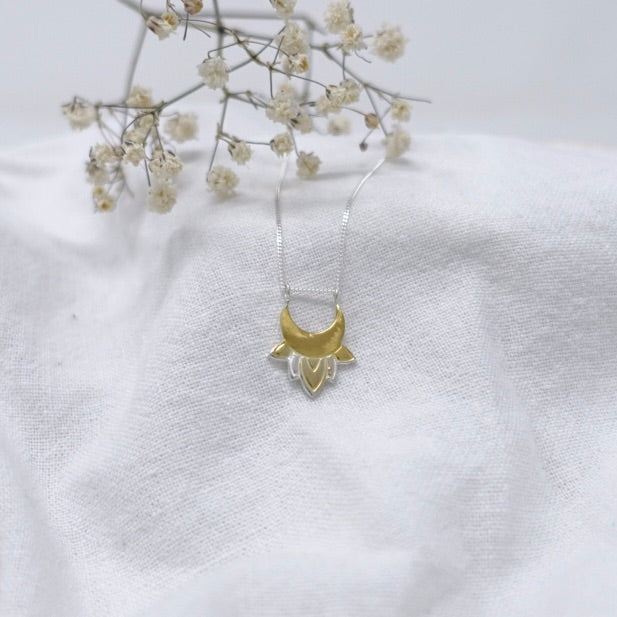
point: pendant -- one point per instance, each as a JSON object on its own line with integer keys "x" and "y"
{"x": 312, "y": 357}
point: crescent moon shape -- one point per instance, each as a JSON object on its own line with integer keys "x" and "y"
{"x": 313, "y": 344}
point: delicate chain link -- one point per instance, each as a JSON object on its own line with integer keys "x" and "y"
{"x": 286, "y": 288}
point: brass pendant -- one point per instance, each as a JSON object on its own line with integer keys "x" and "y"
{"x": 312, "y": 357}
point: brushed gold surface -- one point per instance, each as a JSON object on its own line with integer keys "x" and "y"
{"x": 281, "y": 351}
{"x": 343, "y": 355}
{"x": 313, "y": 344}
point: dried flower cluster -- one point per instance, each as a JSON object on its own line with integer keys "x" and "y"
{"x": 141, "y": 131}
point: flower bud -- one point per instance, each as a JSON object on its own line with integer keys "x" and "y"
{"x": 192, "y": 7}
{"x": 371, "y": 121}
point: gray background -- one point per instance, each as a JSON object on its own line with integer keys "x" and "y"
{"x": 543, "y": 70}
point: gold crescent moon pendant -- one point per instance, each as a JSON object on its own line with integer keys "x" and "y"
{"x": 312, "y": 357}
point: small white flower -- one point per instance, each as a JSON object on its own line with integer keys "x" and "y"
{"x": 282, "y": 110}
{"x": 284, "y": 8}
{"x": 101, "y": 158}
{"x": 214, "y": 72}
{"x": 338, "y": 15}
{"x": 240, "y": 152}
{"x": 96, "y": 172}
{"x": 389, "y": 43}
{"x": 165, "y": 164}
{"x": 133, "y": 153}
{"x": 347, "y": 92}
{"x": 308, "y": 165}
{"x": 336, "y": 95}
{"x": 222, "y": 181}
{"x": 324, "y": 106}
{"x": 144, "y": 122}
{"x": 139, "y": 97}
{"x": 103, "y": 154}
{"x": 164, "y": 25}
{"x": 286, "y": 88}
{"x": 98, "y": 191}
{"x": 133, "y": 136}
{"x": 293, "y": 39}
{"x": 103, "y": 201}
{"x": 281, "y": 144}
{"x": 339, "y": 125}
{"x": 284, "y": 107}
{"x": 401, "y": 110}
{"x": 352, "y": 39}
{"x": 162, "y": 195}
{"x": 397, "y": 142}
{"x": 182, "y": 127}
{"x": 80, "y": 115}
{"x": 302, "y": 123}
{"x": 192, "y": 7}
{"x": 351, "y": 91}
{"x": 297, "y": 64}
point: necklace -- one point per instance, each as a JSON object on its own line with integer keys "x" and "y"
{"x": 312, "y": 357}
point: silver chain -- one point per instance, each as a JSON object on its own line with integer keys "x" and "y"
{"x": 286, "y": 289}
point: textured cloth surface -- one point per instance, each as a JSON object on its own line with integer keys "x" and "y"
{"x": 154, "y": 462}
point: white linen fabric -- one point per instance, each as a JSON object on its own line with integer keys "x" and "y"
{"x": 154, "y": 462}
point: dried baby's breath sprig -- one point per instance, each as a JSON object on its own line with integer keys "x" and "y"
{"x": 143, "y": 132}
{"x": 308, "y": 165}
{"x": 164, "y": 165}
{"x": 338, "y": 16}
{"x": 401, "y": 110}
{"x": 397, "y": 142}
{"x": 282, "y": 144}
{"x": 192, "y": 7}
{"x": 182, "y": 127}
{"x": 293, "y": 39}
{"x": 284, "y": 106}
{"x": 302, "y": 123}
{"x": 139, "y": 97}
{"x": 103, "y": 201}
{"x": 240, "y": 151}
{"x": 371, "y": 121}
{"x": 283, "y": 8}
{"x": 339, "y": 125}
{"x": 352, "y": 39}
{"x": 162, "y": 195}
{"x": 222, "y": 181}
{"x": 214, "y": 72}
{"x": 80, "y": 114}
{"x": 389, "y": 43}
{"x": 164, "y": 24}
